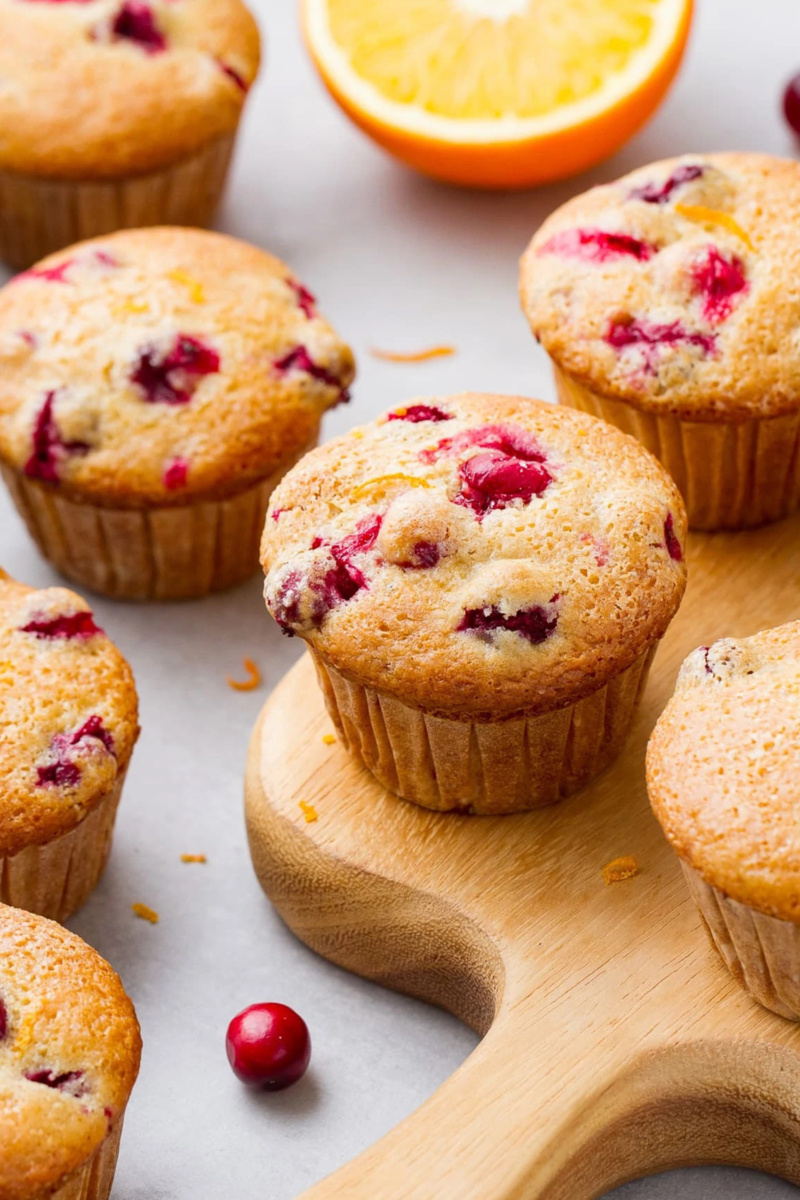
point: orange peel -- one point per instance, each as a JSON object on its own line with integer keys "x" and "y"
{"x": 145, "y": 913}
{"x": 246, "y": 685}
{"x": 413, "y": 356}
{"x": 713, "y": 216}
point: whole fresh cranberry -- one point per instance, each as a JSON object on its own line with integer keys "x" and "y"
{"x": 791, "y": 103}
{"x": 268, "y": 1046}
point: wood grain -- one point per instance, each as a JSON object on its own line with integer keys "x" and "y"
{"x": 616, "y": 1043}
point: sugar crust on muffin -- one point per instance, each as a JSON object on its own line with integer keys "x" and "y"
{"x": 162, "y": 366}
{"x": 477, "y": 553}
{"x": 673, "y": 288}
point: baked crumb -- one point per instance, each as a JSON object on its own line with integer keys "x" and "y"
{"x": 620, "y": 868}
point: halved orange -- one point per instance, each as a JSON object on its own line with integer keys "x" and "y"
{"x": 498, "y": 93}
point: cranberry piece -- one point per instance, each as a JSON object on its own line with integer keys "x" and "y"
{"x": 300, "y": 360}
{"x": 76, "y": 625}
{"x": 650, "y": 336}
{"x": 69, "y": 1081}
{"x": 173, "y": 378}
{"x": 49, "y": 446}
{"x": 536, "y": 624}
{"x": 598, "y": 246}
{"x": 661, "y": 193}
{"x": 94, "y": 728}
{"x": 234, "y": 75}
{"x": 49, "y": 274}
{"x": 3, "y": 1020}
{"x": 510, "y": 439}
{"x": 674, "y": 548}
{"x": 306, "y": 300}
{"x": 176, "y": 475}
{"x": 426, "y": 556}
{"x": 419, "y": 412}
{"x": 344, "y": 580}
{"x": 136, "y": 23}
{"x": 719, "y": 280}
{"x": 791, "y": 103}
{"x": 493, "y": 479}
{"x": 268, "y": 1046}
{"x": 63, "y": 772}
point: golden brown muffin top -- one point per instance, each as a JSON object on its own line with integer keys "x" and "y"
{"x": 106, "y": 88}
{"x": 477, "y": 554}
{"x": 723, "y": 768}
{"x": 69, "y": 1053}
{"x": 674, "y": 289}
{"x": 68, "y": 714}
{"x": 161, "y": 367}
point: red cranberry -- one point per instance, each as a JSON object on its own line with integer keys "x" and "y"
{"x": 3, "y": 1020}
{"x": 268, "y": 1046}
{"x": 135, "y": 22}
{"x": 719, "y": 280}
{"x": 650, "y": 336}
{"x": 536, "y": 624}
{"x": 493, "y": 479}
{"x": 49, "y": 446}
{"x": 234, "y": 76}
{"x": 76, "y": 625}
{"x": 419, "y": 412}
{"x": 661, "y": 193}
{"x": 674, "y": 548}
{"x": 306, "y": 300}
{"x": 597, "y": 245}
{"x": 69, "y": 1081}
{"x": 173, "y": 378}
{"x": 426, "y": 555}
{"x": 63, "y": 772}
{"x": 791, "y": 103}
{"x": 510, "y": 439}
{"x": 49, "y": 274}
{"x": 300, "y": 360}
{"x": 176, "y": 474}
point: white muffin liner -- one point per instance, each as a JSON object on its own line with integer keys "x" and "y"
{"x": 55, "y": 879}
{"x": 732, "y": 474}
{"x": 761, "y": 952}
{"x": 40, "y": 215}
{"x": 484, "y": 767}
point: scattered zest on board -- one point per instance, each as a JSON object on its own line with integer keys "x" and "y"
{"x": 329, "y": 739}
{"x": 619, "y": 869}
{"x": 309, "y": 812}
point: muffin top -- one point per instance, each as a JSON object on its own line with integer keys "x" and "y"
{"x": 477, "y": 554}
{"x": 674, "y": 289}
{"x": 103, "y": 88}
{"x": 69, "y": 1053}
{"x": 68, "y": 714}
{"x": 162, "y": 366}
{"x": 723, "y": 768}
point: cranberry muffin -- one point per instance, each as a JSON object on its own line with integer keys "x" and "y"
{"x": 667, "y": 303}
{"x": 154, "y": 386}
{"x": 482, "y": 582}
{"x": 68, "y": 714}
{"x": 722, "y": 771}
{"x": 116, "y": 114}
{"x": 69, "y": 1056}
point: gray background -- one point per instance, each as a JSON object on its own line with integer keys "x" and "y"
{"x": 398, "y": 262}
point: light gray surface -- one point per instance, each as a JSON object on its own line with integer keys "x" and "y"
{"x": 398, "y": 262}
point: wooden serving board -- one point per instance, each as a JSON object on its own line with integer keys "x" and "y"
{"x": 616, "y": 1043}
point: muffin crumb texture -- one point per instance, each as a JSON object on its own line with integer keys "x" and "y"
{"x": 477, "y": 554}
{"x": 723, "y": 767}
{"x": 672, "y": 289}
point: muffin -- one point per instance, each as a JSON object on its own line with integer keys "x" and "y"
{"x": 68, "y": 711}
{"x": 482, "y": 582}
{"x": 116, "y": 114}
{"x": 667, "y": 303}
{"x": 69, "y": 1056}
{"x": 154, "y": 386}
{"x": 722, "y": 771}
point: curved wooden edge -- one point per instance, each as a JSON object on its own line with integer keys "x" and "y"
{"x": 544, "y": 1109}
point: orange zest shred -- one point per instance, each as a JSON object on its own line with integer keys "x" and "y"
{"x": 247, "y": 685}
{"x": 193, "y": 858}
{"x": 381, "y": 481}
{"x": 130, "y": 307}
{"x": 413, "y": 356}
{"x": 145, "y": 913}
{"x": 195, "y": 287}
{"x": 619, "y": 869}
{"x": 309, "y": 812}
{"x": 329, "y": 739}
{"x": 712, "y": 216}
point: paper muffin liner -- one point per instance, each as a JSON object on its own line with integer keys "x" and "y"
{"x": 761, "y": 952}
{"x": 484, "y": 767}
{"x": 93, "y": 1181}
{"x": 147, "y": 554}
{"x": 732, "y": 474}
{"x": 39, "y": 215}
{"x": 55, "y": 879}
